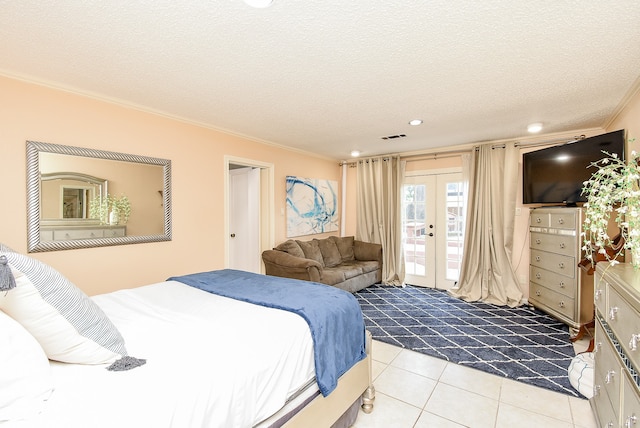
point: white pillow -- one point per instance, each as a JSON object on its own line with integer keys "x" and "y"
{"x": 581, "y": 373}
{"x": 69, "y": 326}
{"x": 25, "y": 376}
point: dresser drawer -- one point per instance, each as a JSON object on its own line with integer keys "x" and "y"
{"x": 558, "y": 263}
{"x": 606, "y": 416}
{"x": 114, "y": 232}
{"x": 608, "y": 370}
{"x": 600, "y": 294}
{"x": 560, "y": 244}
{"x": 562, "y": 220}
{"x": 538, "y": 219}
{"x": 555, "y": 302}
{"x": 625, "y": 323}
{"x": 554, "y": 281}
{"x": 630, "y": 416}
{"x": 63, "y": 235}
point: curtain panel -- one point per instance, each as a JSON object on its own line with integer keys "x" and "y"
{"x": 486, "y": 273}
{"x": 378, "y": 194}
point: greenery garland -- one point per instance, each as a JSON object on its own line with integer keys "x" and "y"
{"x": 612, "y": 188}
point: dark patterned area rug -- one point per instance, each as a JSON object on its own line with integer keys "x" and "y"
{"x": 523, "y": 343}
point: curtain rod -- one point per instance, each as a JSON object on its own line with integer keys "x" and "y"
{"x": 457, "y": 152}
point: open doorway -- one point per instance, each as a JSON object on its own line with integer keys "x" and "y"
{"x": 249, "y": 213}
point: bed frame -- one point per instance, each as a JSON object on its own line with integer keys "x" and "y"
{"x": 355, "y": 384}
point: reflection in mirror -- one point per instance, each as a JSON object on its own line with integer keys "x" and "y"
{"x": 68, "y": 206}
{"x": 68, "y": 195}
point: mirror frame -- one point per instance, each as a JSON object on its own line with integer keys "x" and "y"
{"x": 34, "y": 244}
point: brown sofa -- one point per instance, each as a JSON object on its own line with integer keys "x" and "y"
{"x": 341, "y": 262}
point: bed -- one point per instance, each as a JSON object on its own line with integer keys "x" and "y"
{"x": 202, "y": 359}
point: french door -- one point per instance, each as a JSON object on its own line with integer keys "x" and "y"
{"x": 432, "y": 228}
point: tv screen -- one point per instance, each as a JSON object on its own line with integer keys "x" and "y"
{"x": 555, "y": 175}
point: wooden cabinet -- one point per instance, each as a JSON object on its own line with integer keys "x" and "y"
{"x": 616, "y": 399}
{"x": 557, "y": 285}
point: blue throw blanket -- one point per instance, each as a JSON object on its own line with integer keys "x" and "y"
{"x": 334, "y": 315}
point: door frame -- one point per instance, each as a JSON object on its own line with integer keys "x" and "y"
{"x": 438, "y": 238}
{"x": 267, "y": 203}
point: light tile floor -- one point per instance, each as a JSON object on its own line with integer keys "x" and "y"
{"x": 417, "y": 391}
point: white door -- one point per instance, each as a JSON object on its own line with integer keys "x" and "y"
{"x": 244, "y": 219}
{"x": 432, "y": 229}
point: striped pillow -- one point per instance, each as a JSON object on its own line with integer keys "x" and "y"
{"x": 69, "y": 326}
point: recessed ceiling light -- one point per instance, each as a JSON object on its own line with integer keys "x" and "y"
{"x": 534, "y": 127}
{"x": 415, "y": 122}
{"x": 259, "y": 3}
{"x": 355, "y": 153}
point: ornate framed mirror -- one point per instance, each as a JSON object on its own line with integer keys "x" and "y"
{"x": 83, "y": 198}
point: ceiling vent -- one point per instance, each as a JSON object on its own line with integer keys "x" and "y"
{"x": 393, "y": 137}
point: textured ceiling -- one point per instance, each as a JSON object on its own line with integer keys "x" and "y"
{"x": 331, "y": 76}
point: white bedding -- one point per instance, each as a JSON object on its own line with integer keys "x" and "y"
{"x": 211, "y": 362}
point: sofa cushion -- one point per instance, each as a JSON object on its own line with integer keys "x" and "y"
{"x": 290, "y": 246}
{"x": 345, "y": 247}
{"x": 312, "y": 251}
{"x": 350, "y": 270}
{"x": 330, "y": 252}
{"x": 332, "y": 276}
{"x": 366, "y": 266}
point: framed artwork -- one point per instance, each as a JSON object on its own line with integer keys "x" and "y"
{"x": 312, "y": 206}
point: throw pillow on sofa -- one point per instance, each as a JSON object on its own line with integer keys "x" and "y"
{"x": 330, "y": 252}
{"x": 345, "y": 247}
{"x": 291, "y": 247}
{"x": 312, "y": 251}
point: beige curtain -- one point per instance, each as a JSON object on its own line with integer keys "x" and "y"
{"x": 486, "y": 272}
{"x": 379, "y": 182}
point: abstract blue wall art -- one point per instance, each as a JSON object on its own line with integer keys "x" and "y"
{"x": 312, "y": 206}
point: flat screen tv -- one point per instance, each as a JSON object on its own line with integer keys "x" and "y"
{"x": 555, "y": 175}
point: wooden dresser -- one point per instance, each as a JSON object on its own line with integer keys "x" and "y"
{"x": 616, "y": 399}
{"x": 557, "y": 285}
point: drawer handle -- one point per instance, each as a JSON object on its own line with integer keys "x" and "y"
{"x": 598, "y": 294}
{"x": 609, "y": 377}
{"x": 630, "y": 421}
{"x": 562, "y": 245}
{"x": 596, "y": 390}
{"x": 538, "y": 276}
{"x": 561, "y": 304}
{"x": 538, "y": 241}
{"x": 538, "y": 293}
{"x": 561, "y": 265}
{"x": 597, "y": 347}
{"x": 561, "y": 221}
{"x": 538, "y": 220}
{"x": 561, "y": 284}
{"x": 538, "y": 258}
{"x": 612, "y": 313}
{"x": 633, "y": 343}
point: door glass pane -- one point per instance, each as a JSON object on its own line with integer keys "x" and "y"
{"x": 413, "y": 228}
{"x": 455, "y": 228}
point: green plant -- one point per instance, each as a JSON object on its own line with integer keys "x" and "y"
{"x": 101, "y": 206}
{"x": 612, "y": 192}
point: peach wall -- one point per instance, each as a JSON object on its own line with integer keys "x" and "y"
{"x": 33, "y": 112}
{"x": 629, "y": 119}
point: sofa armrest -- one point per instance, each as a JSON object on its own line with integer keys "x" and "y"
{"x": 279, "y": 263}
{"x": 367, "y": 251}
